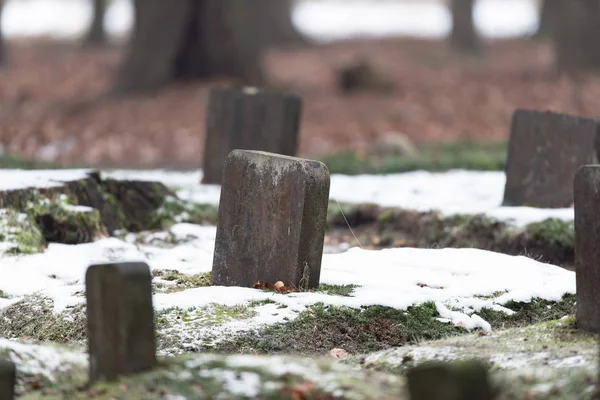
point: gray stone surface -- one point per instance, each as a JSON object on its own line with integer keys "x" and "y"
{"x": 120, "y": 320}
{"x": 545, "y": 151}
{"x": 272, "y": 217}
{"x": 8, "y": 373}
{"x": 461, "y": 380}
{"x": 249, "y": 119}
{"x": 587, "y": 247}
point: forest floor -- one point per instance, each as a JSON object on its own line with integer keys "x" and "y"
{"x": 53, "y": 108}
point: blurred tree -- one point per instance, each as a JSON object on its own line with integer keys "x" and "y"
{"x": 96, "y": 34}
{"x": 2, "y": 44}
{"x": 190, "y": 39}
{"x": 464, "y": 37}
{"x": 549, "y": 17}
{"x": 274, "y": 23}
{"x": 577, "y": 35}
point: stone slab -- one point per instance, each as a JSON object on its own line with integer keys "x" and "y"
{"x": 272, "y": 217}
{"x": 249, "y": 119}
{"x": 586, "y": 188}
{"x": 8, "y": 373}
{"x": 545, "y": 151}
{"x": 121, "y": 337}
{"x": 464, "y": 380}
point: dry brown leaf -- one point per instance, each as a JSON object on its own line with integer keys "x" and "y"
{"x": 338, "y": 353}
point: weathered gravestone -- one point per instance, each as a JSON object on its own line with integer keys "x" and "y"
{"x": 249, "y": 119}
{"x": 272, "y": 217}
{"x": 587, "y": 247}
{"x": 545, "y": 151}
{"x": 466, "y": 380}
{"x": 120, "y": 320}
{"x": 8, "y": 372}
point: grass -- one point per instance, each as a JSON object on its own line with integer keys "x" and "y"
{"x": 10, "y": 161}
{"x": 321, "y": 327}
{"x": 482, "y": 156}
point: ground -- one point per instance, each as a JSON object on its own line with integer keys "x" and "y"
{"x": 53, "y": 108}
{"x": 408, "y": 307}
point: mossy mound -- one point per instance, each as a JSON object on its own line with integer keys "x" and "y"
{"x": 82, "y": 210}
{"x": 551, "y": 240}
{"x": 19, "y": 234}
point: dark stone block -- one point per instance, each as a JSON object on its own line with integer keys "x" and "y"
{"x": 120, "y": 320}
{"x": 465, "y": 380}
{"x": 545, "y": 151}
{"x": 587, "y": 247}
{"x": 249, "y": 119}
{"x": 8, "y": 373}
{"x": 272, "y": 218}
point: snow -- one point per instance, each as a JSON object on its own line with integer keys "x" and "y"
{"x": 322, "y": 20}
{"x": 460, "y": 281}
{"x": 43, "y": 360}
{"x": 452, "y": 192}
{"x": 21, "y": 179}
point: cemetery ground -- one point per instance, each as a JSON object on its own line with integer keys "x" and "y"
{"x": 405, "y": 298}
{"x": 408, "y": 306}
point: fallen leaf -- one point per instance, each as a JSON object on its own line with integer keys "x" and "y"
{"x": 338, "y": 353}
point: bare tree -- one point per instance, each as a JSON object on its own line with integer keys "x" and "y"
{"x": 190, "y": 39}
{"x": 549, "y": 18}
{"x": 2, "y": 44}
{"x": 96, "y": 34}
{"x": 273, "y": 19}
{"x": 464, "y": 36}
{"x": 577, "y": 35}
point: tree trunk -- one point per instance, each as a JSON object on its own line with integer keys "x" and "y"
{"x": 549, "y": 18}
{"x": 274, "y": 23}
{"x": 190, "y": 39}
{"x": 464, "y": 37}
{"x": 96, "y": 34}
{"x": 577, "y": 37}
{"x": 2, "y": 44}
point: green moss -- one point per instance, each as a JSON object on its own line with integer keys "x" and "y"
{"x": 530, "y": 313}
{"x": 180, "y": 281}
{"x": 553, "y": 232}
{"x": 321, "y": 328}
{"x": 175, "y": 210}
{"x": 60, "y": 222}
{"x": 372, "y": 328}
{"x": 33, "y": 318}
{"x": 482, "y": 156}
{"x": 336, "y": 290}
{"x": 20, "y": 232}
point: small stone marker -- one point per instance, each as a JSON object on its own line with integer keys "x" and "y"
{"x": 466, "y": 380}
{"x": 249, "y": 119}
{"x": 8, "y": 375}
{"x": 120, "y": 320}
{"x": 545, "y": 151}
{"x": 272, "y": 217}
{"x": 587, "y": 247}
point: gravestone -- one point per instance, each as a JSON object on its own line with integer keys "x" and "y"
{"x": 545, "y": 151}
{"x": 465, "y": 380}
{"x": 249, "y": 119}
{"x": 587, "y": 247}
{"x": 120, "y": 319}
{"x": 272, "y": 217}
{"x": 8, "y": 374}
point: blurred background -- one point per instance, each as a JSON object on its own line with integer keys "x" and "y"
{"x": 388, "y": 85}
